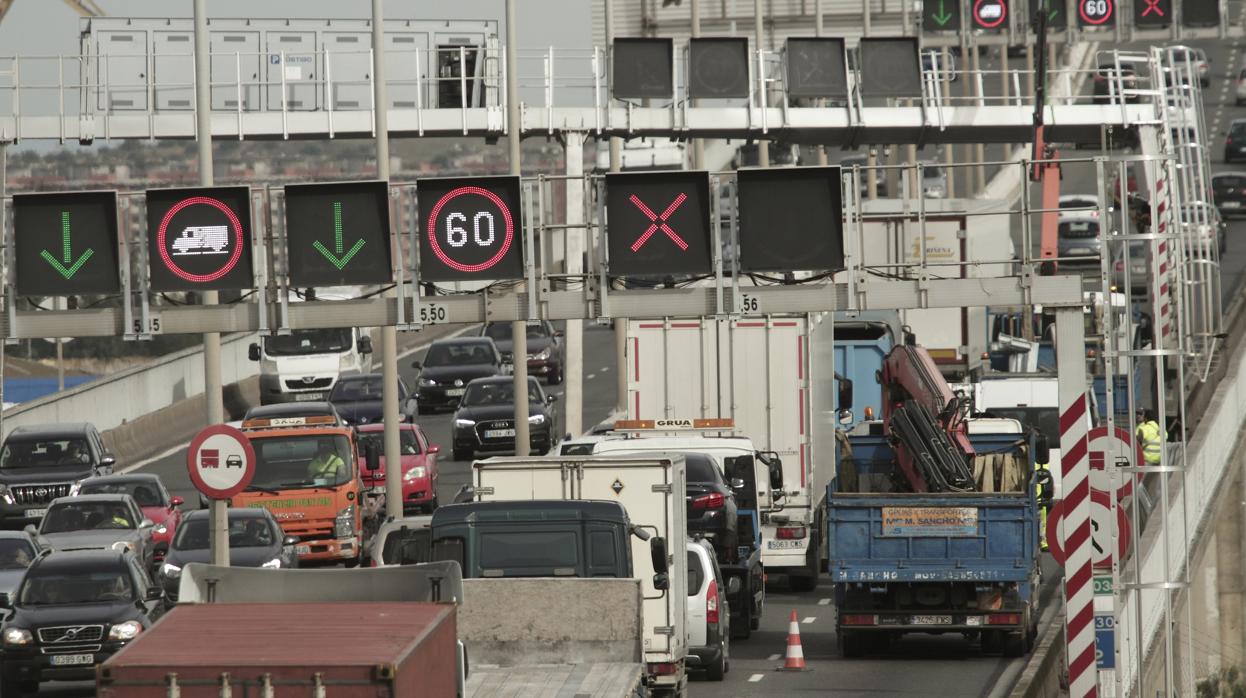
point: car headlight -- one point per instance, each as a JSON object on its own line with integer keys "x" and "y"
{"x": 541, "y": 355}
{"x": 7, "y": 496}
{"x": 170, "y": 571}
{"x": 160, "y": 529}
{"x": 465, "y": 423}
{"x": 344, "y": 522}
{"x": 125, "y": 631}
{"x": 74, "y": 489}
{"x": 428, "y": 382}
{"x": 536, "y": 419}
{"x": 16, "y": 637}
{"x": 268, "y": 366}
{"x": 273, "y": 563}
{"x": 416, "y": 473}
{"x": 123, "y": 545}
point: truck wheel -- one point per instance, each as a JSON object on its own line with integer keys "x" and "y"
{"x": 743, "y": 628}
{"x": 754, "y": 621}
{"x": 992, "y": 641}
{"x": 851, "y": 645}
{"x": 1015, "y": 644}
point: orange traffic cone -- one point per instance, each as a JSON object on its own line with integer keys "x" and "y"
{"x": 795, "y": 660}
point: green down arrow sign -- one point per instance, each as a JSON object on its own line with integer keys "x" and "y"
{"x": 67, "y": 268}
{"x": 336, "y": 258}
{"x": 942, "y": 16}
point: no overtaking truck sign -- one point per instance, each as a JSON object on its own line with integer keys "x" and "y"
{"x": 221, "y": 461}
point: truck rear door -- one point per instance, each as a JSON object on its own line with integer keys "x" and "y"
{"x": 539, "y": 479}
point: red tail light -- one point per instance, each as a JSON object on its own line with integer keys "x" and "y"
{"x": 857, "y": 619}
{"x": 713, "y": 500}
{"x": 1004, "y": 619}
{"x": 663, "y": 668}
{"x": 790, "y": 533}
{"x": 1228, "y": 141}
{"x": 1120, "y": 266}
{"x": 711, "y": 603}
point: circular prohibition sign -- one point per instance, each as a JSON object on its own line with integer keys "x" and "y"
{"x": 1100, "y": 516}
{"x": 506, "y": 217}
{"x": 977, "y": 13}
{"x": 1107, "y": 9}
{"x": 161, "y": 235}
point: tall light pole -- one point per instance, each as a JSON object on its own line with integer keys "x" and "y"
{"x": 519, "y": 328}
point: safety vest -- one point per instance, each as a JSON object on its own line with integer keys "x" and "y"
{"x": 1152, "y": 438}
{"x": 329, "y": 467}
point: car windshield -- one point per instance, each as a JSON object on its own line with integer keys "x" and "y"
{"x": 302, "y": 342}
{"x": 501, "y": 331}
{"x": 248, "y": 532}
{"x": 408, "y": 444}
{"x": 528, "y": 553}
{"x": 351, "y": 389}
{"x": 696, "y": 575}
{"x": 44, "y": 453}
{"x": 88, "y": 516}
{"x": 52, "y": 588}
{"x": 16, "y": 553}
{"x": 458, "y": 354}
{"x": 1078, "y": 203}
{"x": 301, "y": 462}
{"x": 1228, "y": 181}
{"x": 1237, "y": 128}
{"x": 497, "y": 393}
{"x": 147, "y": 494}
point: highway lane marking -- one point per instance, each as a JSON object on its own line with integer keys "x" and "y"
{"x": 773, "y": 657}
{"x": 590, "y": 376}
{"x": 604, "y": 369}
{"x": 809, "y": 620}
{"x": 824, "y": 602}
{"x": 153, "y": 459}
{"x": 756, "y": 677}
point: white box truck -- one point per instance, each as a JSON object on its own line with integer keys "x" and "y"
{"x": 651, "y": 490}
{"x": 774, "y": 377}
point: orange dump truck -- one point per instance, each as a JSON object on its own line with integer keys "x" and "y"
{"x": 307, "y": 475}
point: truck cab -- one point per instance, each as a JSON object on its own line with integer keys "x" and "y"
{"x": 318, "y": 506}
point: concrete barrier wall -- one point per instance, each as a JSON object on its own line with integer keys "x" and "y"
{"x": 511, "y": 622}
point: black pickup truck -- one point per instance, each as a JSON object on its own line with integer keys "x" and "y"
{"x": 40, "y": 463}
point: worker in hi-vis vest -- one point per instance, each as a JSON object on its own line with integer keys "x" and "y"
{"x": 1150, "y": 437}
{"x": 1043, "y": 494}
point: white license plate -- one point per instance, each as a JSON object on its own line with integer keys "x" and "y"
{"x": 455, "y": 392}
{"x": 35, "y": 513}
{"x": 783, "y": 545}
{"x": 498, "y": 433}
{"x": 1232, "y": 204}
{"x": 72, "y": 659}
{"x": 302, "y": 550}
{"x": 1079, "y": 250}
{"x": 307, "y": 397}
{"x": 930, "y": 620}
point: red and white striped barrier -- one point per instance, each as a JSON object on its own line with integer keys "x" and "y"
{"x": 1078, "y": 586}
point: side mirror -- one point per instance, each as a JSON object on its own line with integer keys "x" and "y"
{"x": 434, "y": 448}
{"x": 146, "y": 523}
{"x": 661, "y": 582}
{"x": 154, "y": 593}
{"x": 466, "y": 494}
{"x": 365, "y": 344}
{"x": 845, "y": 393}
{"x": 657, "y": 552}
{"x": 253, "y": 351}
{"x": 733, "y": 586}
{"x": 558, "y": 333}
{"x": 5, "y": 602}
{"x": 108, "y": 461}
{"x": 289, "y": 541}
{"x": 736, "y": 483}
{"x": 372, "y": 458}
{"x": 845, "y": 417}
{"x": 639, "y": 532}
{"x": 30, "y": 528}
{"x": 176, "y": 502}
{"x": 551, "y": 399}
{"x": 417, "y": 365}
{"x": 1042, "y": 450}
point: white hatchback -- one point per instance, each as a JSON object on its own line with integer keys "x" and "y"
{"x": 709, "y": 619}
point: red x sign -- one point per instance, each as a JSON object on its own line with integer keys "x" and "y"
{"x": 1152, "y": 5}
{"x": 658, "y": 222}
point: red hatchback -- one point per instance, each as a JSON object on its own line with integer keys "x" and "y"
{"x": 148, "y": 491}
{"x": 419, "y": 465}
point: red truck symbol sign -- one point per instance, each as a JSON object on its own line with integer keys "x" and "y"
{"x": 209, "y": 458}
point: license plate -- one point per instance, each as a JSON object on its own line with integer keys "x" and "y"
{"x": 1232, "y": 204}
{"x": 306, "y": 397}
{"x": 930, "y": 620}
{"x": 35, "y": 513}
{"x": 72, "y": 659}
{"x": 302, "y": 550}
{"x": 455, "y": 392}
{"x": 783, "y": 545}
{"x": 498, "y": 433}
{"x": 1079, "y": 250}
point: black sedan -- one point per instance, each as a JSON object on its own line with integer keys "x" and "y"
{"x": 711, "y": 506}
{"x": 1228, "y": 190}
{"x": 450, "y": 365}
{"x": 255, "y": 540}
{"x": 485, "y": 420}
{"x": 357, "y": 399}
{"x": 545, "y": 351}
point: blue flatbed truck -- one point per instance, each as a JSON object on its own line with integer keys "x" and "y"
{"x": 906, "y": 562}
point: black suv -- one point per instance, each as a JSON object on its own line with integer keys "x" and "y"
{"x": 711, "y": 506}
{"x": 40, "y": 463}
{"x": 72, "y": 612}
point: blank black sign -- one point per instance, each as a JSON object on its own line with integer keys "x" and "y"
{"x": 791, "y": 219}
{"x": 890, "y": 67}
{"x": 717, "y": 68}
{"x": 815, "y": 68}
{"x": 338, "y": 234}
{"x": 1199, "y": 13}
{"x": 658, "y": 223}
{"x": 642, "y": 69}
{"x": 66, "y": 243}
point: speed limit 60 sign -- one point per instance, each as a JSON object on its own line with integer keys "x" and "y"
{"x": 1096, "y": 13}
{"x": 470, "y": 228}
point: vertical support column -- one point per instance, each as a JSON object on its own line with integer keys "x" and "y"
{"x": 945, "y": 60}
{"x": 698, "y": 145}
{"x": 620, "y": 323}
{"x": 574, "y": 235}
{"x": 763, "y": 145}
{"x": 218, "y": 523}
{"x": 4, "y": 178}
{"x": 519, "y": 328}
{"x": 389, "y": 334}
{"x": 817, "y": 31}
{"x": 1229, "y": 585}
{"x": 1075, "y": 481}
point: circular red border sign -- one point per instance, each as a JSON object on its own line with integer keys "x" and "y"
{"x": 1002, "y": 16}
{"x": 1081, "y": 10}
{"x": 164, "y": 251}
{"x": 1126, "y": 487}
{"x": 1096, "y": 497}
{"x": 432, "y": 230}
{"x": 248, "y": 468}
